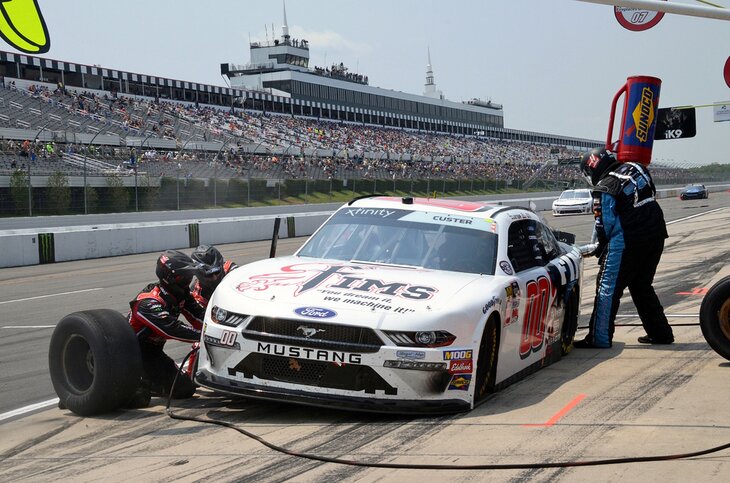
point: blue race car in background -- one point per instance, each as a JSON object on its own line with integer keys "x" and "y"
{"x": 694, "y": 192}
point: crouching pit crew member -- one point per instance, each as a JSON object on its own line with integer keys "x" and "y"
{"x": 630, "y": 229}
{"x": 214, "y": 268}
{"x": 154, "y": 317}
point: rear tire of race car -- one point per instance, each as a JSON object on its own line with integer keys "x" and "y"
{"x": 715, "y": 317}
{"x": 95, "y": 361}
{"x": 487, "y": 361}
{"x": 570, "y": 322}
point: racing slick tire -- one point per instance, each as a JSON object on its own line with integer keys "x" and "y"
{"x": 487, "y": 361}
{"x": 570, "y": 322}
{"x": 715, "y": 317}
{"x": 95, "y": 361}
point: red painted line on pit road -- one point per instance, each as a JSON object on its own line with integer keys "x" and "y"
{"x": 695, "y": 291}
{"x": 557, "y": 416}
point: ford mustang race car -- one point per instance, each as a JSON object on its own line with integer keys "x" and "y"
{"x": 403, "y": 305}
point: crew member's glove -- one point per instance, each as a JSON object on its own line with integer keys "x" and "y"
{"x": 591, "y": 250}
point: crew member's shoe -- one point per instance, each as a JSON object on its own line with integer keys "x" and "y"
{"x": 588, "y": 344}
{"x": 140, "y": 399}
{"x": 645, "y": 339}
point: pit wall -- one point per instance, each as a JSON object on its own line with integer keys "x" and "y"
{"x": 60, "y": 244}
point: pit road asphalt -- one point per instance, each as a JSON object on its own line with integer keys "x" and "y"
{"x": 631, "y": 400}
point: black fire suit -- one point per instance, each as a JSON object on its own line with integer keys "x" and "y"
{"x": 154, "y": 317}
{"x": 630, "y": 227}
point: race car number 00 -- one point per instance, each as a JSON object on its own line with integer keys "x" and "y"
{"x": 228, "y": 337}
{"x": 533, "y": 328}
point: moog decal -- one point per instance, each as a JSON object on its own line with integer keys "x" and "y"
{"x": 462, "y": 354}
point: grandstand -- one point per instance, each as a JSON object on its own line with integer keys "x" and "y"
{"x": 321, "y": 124}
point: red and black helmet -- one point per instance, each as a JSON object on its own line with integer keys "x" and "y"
{"x": 176, "y": 270}
{"x": 595, "y": 162}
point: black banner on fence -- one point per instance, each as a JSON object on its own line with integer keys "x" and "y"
{"x": 194, "y": 234}
{"x": 291, "y": 231}
{"x": 46, "y": 248}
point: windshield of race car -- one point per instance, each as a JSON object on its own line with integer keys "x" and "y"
{"x": 575, "y": 194}
{"x": 407, "y": 238}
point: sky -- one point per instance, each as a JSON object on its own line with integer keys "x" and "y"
{"x": 555, "y": 65}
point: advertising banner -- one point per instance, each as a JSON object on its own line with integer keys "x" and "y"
{"x": 721, "y": 111}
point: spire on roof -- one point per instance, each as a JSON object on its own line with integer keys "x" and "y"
{"x": 285, "y": 27}
{"x": 430, "y": 90}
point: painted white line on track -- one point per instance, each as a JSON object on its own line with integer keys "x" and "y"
{"x": 28, "y": 409}
{"x": 27, "y": 327}
{"x": 51, "y": 295}
{"x": 695, "y": 216}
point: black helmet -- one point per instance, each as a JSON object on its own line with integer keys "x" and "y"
{"x": 212, "y": 264}
{"x": 208, "y": 255}
{"x": 595, "y": 162}
{"x": 175, "y": 271}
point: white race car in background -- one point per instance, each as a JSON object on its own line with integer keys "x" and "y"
{"x": 402, "y": 305}
{"x": 573, "y": 202}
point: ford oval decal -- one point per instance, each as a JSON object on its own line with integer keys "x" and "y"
{"x": 315, "y": 312}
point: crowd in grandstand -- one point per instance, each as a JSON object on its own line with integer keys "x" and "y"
{"x": 294, "y": 145}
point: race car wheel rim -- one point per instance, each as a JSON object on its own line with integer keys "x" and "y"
{"x": 78, "y": 364}
{"x": 724, "y": 318}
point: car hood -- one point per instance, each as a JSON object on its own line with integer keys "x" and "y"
{"x": 287, "y": 284}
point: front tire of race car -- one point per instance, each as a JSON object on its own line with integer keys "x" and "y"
{"x": 570, "y": 322}
{"x": 715, "y": 317}
{"x": 95, "y": 361}
{"x": 487, "y": 361}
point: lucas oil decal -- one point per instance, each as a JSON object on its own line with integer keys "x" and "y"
{"x": 307, "y": 276}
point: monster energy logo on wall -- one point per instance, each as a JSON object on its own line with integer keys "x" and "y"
{"x": 194, "y": 234}
{"x": 46, "y": 248}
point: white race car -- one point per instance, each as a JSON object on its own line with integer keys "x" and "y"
{"x": 397, "y": 305}
{"x": 573, "y": 202}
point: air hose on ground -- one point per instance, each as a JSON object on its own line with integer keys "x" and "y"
{"x": 413, "y": 466}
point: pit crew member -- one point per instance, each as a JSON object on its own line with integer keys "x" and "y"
{"x": 630, "y": 229}
{"x": 154, "y": 317}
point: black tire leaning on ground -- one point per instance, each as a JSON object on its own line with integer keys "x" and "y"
{"x": 570, "y": 322}
{"x": 95, "y": 361}
{"x": 487, "y": 360}
{"x": 715, "y": 317}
